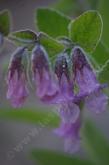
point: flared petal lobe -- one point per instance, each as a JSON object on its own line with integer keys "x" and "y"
{"x": 70, "y": 132}
{"x": 97, "y": 102}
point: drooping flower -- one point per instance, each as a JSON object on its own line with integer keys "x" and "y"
{"x": 70, "y": 131}
{"x": 16, "y": 79}
{"x": 87, "y": 82}
{"x": 63, "y": 78}
{"x": 46, "y": 87}
{"x": 69, "y": 111}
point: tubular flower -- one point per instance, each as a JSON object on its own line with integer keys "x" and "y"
{"x": 70, "y": 131}
{"x": 46, "y": 87}
{"x": 16, "y": 79}
{"x": 69, "y": 110}
{"x": 63, "y": 78}
{"x": 88, "y": 85}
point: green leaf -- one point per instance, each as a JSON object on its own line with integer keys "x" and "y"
{"x": 104, "y": 73}
{"x": 96, "y": 144}
{"x": 45, "y": 157}
{"x": 101, "y": 54}
{"x": 5, "y": 22}
{"x": 23, "y": 36}
{"x": 52, "y": 46}
{"x": 86, "y": 30}
{"x": 52, "y": 22}
{"x": 34, "y": 117}
{"x": 104, "y": 10}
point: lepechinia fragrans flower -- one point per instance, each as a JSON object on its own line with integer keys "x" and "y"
{"x": 88, "y": 85}
{"x": 46, "y": 87}
{"x": 16, "y": 79}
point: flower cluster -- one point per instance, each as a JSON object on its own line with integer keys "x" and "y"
{"x": 71, "y": 82}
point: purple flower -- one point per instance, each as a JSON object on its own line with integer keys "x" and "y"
{"x": 97, "y": 101}
{"x": 69, "y": 111}
{"x": 70, "y": 131}
{"x": 63, "y": 79}
{"x": 46, "y": 87}
{"x": 86, "y": 80}
{"x": 16, "y": 79}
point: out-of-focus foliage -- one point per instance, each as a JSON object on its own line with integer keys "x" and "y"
{"x": 45, "y": 157}
{"x": 75, "y": 7}
{"x": 4, "y": 22}
{"x": 96, "y": 144}
{"x": 33, "y": 117}
{"x": 103, "y": 7}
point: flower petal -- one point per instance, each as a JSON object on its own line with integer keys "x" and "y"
{"x": 97, "y": 102}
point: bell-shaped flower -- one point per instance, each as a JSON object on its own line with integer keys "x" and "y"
{"x": 70, "y": 131}
{"x": 86, "y": 80}
{"x": 16, "y": 79}
{"x": 45, "y": 85}
{"x": 63, "y": 79}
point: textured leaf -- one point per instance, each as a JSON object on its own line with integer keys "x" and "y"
{"x": 86, "y": 30}
{"x": 97, "y": 146}
{"x": 50, "y": 157}
{"x": 52, "y": 22}
{"x": 4, "y": 22}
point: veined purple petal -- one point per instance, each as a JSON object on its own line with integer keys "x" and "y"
{"x": 16, "y": 80}
{"x": 66, "y": 88}
{"x": 84, "y": 76}
{"x": 86, "y": 81}
{"x": 46, "y": 88}
{"x": 63, "y": 79}
{"x": 17, "y": 91}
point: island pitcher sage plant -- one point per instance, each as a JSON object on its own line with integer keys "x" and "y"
{"x": 61, "y": 71}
